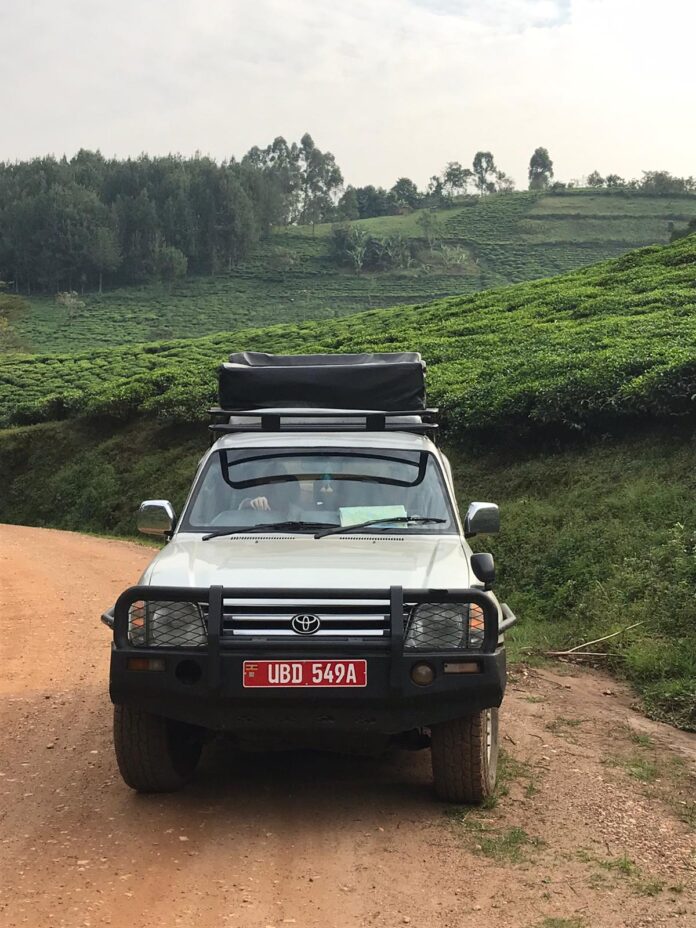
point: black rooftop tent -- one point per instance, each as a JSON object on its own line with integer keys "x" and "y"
{"x": 386, "y": 381}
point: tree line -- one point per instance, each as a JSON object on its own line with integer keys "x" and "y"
{"x": 69, "y": 224}
{"x": 485, "y": 177}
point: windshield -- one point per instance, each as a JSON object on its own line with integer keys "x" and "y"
{"x": 249, "y": 489}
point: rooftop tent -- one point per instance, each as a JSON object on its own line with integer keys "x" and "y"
{"x": 387, "y": 381}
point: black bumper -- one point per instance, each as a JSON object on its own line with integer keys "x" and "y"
{"x": 204, "y": 686}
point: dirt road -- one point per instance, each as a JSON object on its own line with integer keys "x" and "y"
{"x": 594, "y": 825}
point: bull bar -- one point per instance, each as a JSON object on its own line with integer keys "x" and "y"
{"x": 391, "y": 702}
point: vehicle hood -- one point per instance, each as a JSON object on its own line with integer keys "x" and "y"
{"x": 367, "y": 562}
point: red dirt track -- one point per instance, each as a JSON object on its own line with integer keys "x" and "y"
{"x": 309, "y": 839}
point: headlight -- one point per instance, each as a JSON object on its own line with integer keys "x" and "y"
{"x": 445, "y": 627}
{"x": 166, "y": 625}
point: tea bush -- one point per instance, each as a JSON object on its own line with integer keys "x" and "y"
{"x": 610, "y": 343}
{"x": 497, "y": 240}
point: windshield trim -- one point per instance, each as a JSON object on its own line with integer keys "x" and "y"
{"x": 392, "y": 454}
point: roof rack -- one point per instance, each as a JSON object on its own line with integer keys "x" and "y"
{"x": 418, "y": 421}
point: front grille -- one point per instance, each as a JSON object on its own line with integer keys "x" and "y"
{"x": 335, "y": 621}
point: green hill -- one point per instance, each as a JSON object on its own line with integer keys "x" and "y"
{"x": 479, "y": 243}
{"x": 570, "y": 401}
{"x": 610, "y": 342}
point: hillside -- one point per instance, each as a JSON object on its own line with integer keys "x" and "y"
{"x": 479, "y": 243}
{"x": 610, "y": 342}
{"x": 599, "y": 530}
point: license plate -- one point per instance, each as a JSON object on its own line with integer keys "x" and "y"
{"x": 304, "y": 674}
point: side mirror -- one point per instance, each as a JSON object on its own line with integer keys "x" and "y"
{"x": 156, "y": 517}
{"x": 483, "y": 567}
{"x": 482, "y": 519}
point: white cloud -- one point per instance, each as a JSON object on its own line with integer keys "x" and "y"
{"x": 392, "y": 87}
{"x": 505, "y": 15}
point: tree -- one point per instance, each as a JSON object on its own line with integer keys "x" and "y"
{"x": 104, "y": 252}
{"x": 171, "y": 264}
{"x": 348, "y": 207}
{"x": 614, "y": 180}
{"x": 662, "y": 183}
{"x": 484, "y": 171}
{"x": 503, "y": 183}
{"x": 11, "y": 307}
{"x": 320, "y": 177}
{"x": 595, "y": 179}
{"x": 436, "y": 191}
{"x": 59, "y": 218}
{"x": 540, "y": 169}
{"x": 279, "y": 164}
{"x": 405, "y": 193}
{"x": 456, "y": 178}
{"x": 373, "y": 201}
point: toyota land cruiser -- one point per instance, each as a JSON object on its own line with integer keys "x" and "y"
{"x": 317, "y": 582}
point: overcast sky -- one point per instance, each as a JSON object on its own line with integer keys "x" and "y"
{"x": 391, "y": 87}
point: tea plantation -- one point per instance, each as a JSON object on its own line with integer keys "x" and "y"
{"x": 479, "y": 243}
{"x": 570, "y": 401}
{"x": 611, "y": 342}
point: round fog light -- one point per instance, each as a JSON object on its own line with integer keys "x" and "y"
{"x": 422, "y": 674}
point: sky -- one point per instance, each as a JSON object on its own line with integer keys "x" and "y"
{"x": 392, "y": 87}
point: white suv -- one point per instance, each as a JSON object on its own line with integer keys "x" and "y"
{"x": 318, "y": 584}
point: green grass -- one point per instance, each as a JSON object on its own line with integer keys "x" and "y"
{"x": 594, "y": 538}
{"x": 503, "y": 239}
{"x": 637, "y": 767}
{"x": 665, "y": 776}
{"x": 613, "y": 342}
{"x": 625, "y": 869}
{"x": 504, "y": 845}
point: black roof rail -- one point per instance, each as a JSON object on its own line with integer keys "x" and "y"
{"x": 337, "y": 420}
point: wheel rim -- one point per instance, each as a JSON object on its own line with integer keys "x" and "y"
{"x": 489, "y": 734}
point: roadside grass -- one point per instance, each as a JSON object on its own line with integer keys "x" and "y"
{"x": 639, "y": 738}
{"x": 511, "y": 845}
{"x": 478, "y": 827}
{"x": 622, "y": 868}
{"x": 665, "y": 777}
{"x": 594, "y": 538}
{"x": 564, "y": 727}
{"x": 510, "y": 770}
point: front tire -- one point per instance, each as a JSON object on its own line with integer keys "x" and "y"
{"x": 464, "y": 754}
{"x": 154, "y": 754}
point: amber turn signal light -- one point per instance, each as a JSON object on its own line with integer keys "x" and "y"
{"x": 145, "y": 663}
{"x": 462, "y": 667}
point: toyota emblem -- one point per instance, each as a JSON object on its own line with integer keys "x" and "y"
{"x": 305, "y": 624}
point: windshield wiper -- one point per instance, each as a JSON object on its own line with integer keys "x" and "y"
{"x": 390, "y": 520}
{"x": 268, "y": 527}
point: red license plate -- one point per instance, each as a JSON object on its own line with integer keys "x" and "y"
{"x": 289, "y": 674}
